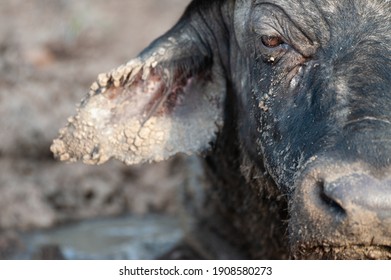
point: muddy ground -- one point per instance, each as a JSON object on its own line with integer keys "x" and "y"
{"x": 50, "y": 52}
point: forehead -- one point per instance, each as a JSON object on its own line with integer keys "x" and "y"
{"x": 328, "y": 5}
{"x": 325, "y": 18}
{"x": 333, "y": 8}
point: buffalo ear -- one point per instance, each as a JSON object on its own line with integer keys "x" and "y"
{"x": 166, "y": 101}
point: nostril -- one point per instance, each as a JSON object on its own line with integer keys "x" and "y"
{"x": 331, "y": 204}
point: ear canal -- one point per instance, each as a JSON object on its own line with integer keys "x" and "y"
{"x": 168, "y": 100}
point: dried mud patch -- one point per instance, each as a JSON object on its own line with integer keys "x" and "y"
{"x": 50, "y": 52}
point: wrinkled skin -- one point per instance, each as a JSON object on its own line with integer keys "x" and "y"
{"x": 294, "y": 97}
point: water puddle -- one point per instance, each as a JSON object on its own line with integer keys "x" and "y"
{"x": 129, "y": 237}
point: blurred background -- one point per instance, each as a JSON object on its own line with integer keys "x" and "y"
{"x": 50, "y": 53}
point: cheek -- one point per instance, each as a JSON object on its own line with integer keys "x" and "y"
{"x": 281, "y": 156}
{"x": 280, "y": 130}
{"x": 274, "y": 95}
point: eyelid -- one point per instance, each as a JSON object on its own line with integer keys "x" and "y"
{"x": 268, "y": 22}
{"x": 269, "y": 19}
{"x": 268, "y": 29}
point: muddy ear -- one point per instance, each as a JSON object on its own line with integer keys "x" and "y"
{"x": 168, "y": 100}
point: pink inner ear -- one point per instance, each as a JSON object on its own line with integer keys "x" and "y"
{"x": 149, "y": 97}
{"x": 139, "y": 113}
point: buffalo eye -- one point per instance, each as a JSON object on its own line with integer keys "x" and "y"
{"x": 272, "y": 41}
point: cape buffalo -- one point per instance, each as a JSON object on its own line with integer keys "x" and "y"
{"x": 291, "y": 98}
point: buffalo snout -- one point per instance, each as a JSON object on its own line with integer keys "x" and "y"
{"x": 338, "y": 208}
